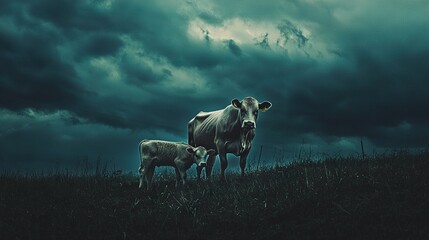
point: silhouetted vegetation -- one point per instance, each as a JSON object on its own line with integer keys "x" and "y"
{"x": 384, "y": 197}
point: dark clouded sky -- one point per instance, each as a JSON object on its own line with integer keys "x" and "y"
{"x": 92, "y": 77}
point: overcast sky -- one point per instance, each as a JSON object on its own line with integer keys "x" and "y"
{"x": 90, "y": 77}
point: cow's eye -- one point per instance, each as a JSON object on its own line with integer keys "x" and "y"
{"x": 243, "y": 111}
{"x": 255, "y": 112}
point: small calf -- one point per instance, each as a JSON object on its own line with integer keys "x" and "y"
{"x": 181, "y": 156}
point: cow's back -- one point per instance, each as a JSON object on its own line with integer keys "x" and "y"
{"x": 202, "y": 129}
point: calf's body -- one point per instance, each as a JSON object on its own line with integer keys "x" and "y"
{"x": 155, "y": 153}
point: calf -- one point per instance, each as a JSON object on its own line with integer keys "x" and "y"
{"x": 181, "y": 156}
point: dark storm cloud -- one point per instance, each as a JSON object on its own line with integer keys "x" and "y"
{"x": 39, "y": 141}
{"x": 32, "y": 72}
{"x": 288, "y": 30}
{"x": 90, "y": 72}
{"x": 100, "y": 44}
{"x": 234, "y": 48}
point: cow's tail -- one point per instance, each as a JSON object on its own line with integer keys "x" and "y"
{"x": 191, "y": 140}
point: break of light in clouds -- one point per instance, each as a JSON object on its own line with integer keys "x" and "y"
{"x": 92, "y": 77}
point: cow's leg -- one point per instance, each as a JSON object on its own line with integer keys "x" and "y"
{"x": 149, "y": 176}
{"x": 223, "y": 163}
{"x": 209, "y": 167}
{"x": 220, "y": 145}
{"x": 243, "y": 159}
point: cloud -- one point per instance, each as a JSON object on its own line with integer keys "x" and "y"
{"x": 233, "y": 47}
{"x": 100, "y": 44}
{"x": 290, "y": 32}
{"x": 263, "y": 42}
{"x": 335, "y": 71}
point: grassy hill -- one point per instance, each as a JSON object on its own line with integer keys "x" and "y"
{"x": 386, "y": 197}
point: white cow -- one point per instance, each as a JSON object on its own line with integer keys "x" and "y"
{"x": 230, "y": 130}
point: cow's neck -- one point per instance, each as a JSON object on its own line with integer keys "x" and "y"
{"x": 245, "y": 136}
{"x": 237, "y": 123}
{"x": 238, "y": 139}
{"x": 233, "y": 129}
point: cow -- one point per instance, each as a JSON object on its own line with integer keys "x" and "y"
{"x": 230, "y": 130}
{"x": 181, "y": 156}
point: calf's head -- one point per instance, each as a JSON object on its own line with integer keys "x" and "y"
{"x": 248, "y": 109}
{"x": 200, "y": 155}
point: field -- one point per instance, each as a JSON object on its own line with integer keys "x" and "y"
{"x": 383, "y": 197}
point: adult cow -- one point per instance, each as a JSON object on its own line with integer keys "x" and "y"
{"x": 230, "y": 130}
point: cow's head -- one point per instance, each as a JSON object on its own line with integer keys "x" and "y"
{"x": 200, "y": 155}
{"x": 248, "y": 110}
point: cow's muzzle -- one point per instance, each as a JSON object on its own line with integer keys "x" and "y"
{"x": 248, "y": 124}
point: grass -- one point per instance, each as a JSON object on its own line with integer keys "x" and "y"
{"x": 385, "y": 197}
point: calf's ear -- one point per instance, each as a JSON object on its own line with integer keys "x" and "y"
{"x": 264, "y": 106}
{"x": 211, "y": 152}
{"x": 190, "y": 150}
{"x": 236, "y": 103}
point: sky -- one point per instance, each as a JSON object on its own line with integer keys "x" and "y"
{"x": 90, "y": 78}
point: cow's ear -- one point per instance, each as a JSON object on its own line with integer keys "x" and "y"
{"x": 236, "y": 103}
{"x": 264, "y": 106}
{"x": 190, "y": 150}
{"x": 211, "y": 152}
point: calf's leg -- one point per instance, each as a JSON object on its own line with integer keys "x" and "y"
{"x": 141, "y": 175}
{"x": 209, "y": 167}
{"x": 199, "y": 170}
{"x": 178, "y": 177}
{"x": 149, "y": 176}
{"x": 181, "y": 171}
